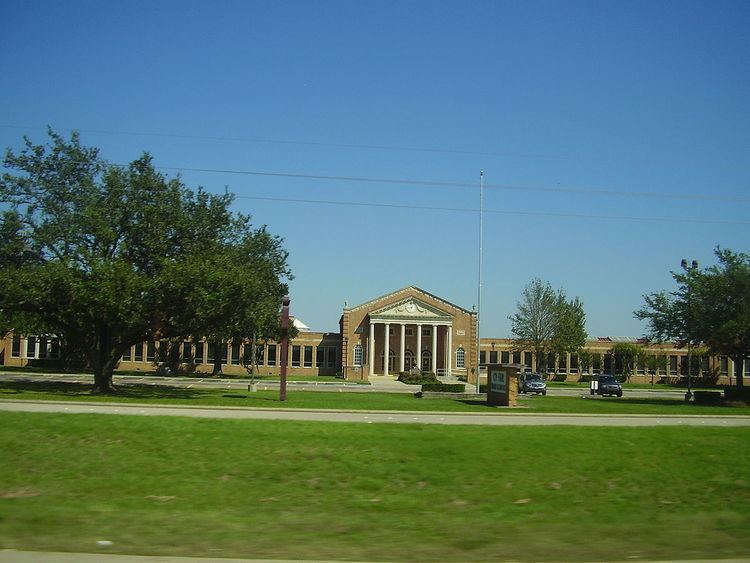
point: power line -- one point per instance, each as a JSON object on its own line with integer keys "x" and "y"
{"x": 507, "y": 187}
{"x": 296, "y": 142}
{"x": 495, "y": 211}
{"x": 510, "y": 187}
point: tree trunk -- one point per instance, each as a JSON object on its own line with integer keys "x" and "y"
{"x": 103, "y": 380}
{"x": 218, "y": 353}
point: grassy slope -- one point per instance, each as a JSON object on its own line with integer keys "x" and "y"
{"x": 355, "y": 401}
{"x": 266, "y": 489}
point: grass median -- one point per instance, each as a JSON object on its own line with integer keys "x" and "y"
{"x": 167, "y": 395}
{"x": 327, "y": 491}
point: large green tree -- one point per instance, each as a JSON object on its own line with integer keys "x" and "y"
{"x": 106, "y": 256}
{"x": 545, "y": 321}
{"x": 710, "y": 306}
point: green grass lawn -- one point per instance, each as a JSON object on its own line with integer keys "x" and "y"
{"x": 52, "y": 391}
{"x": 331, "y": 491}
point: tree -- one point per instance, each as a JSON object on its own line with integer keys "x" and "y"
{"x": 569, "y": 335}
{"x": 710, "y": 306}
{"x": 627, "y": 353}
{"x": 547, "y": 322}
{"x": 106, "y": 257}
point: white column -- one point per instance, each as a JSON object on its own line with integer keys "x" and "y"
{"x": 419, "y": 347}
{"x": 403, "y": 348}
{"x": 385, "y": 348}
{"x": 433, "y": 360}
{"x": 450, "y": 349}
{"x": 371, "y": 348}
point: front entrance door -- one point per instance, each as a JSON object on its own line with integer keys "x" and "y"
{"x": 426, "y": 360}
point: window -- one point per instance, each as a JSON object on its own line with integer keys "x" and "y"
{"x": 516, "y": 357}
{"x": 358, "y": 355}
{"x": 187, "y": 351}
{"x": 574, "y": 363}
{"x": 527, "y": 357}
{"x": 331, "y": 352}
{"x": 260, "y": 352}
{"x": 138, "y": 356}
{"x": 15, "y": 351}
{"x": 673, "y": 365}
{"x": 55, "y": 348}
{"x": 409, "y": 361}
{"x": 493, "y": 357}
{"x": 271, "y": 355}
{"x": 460, "y": 357}
{"x": 505, "y": 357}
{"x": 724, "y": 365}
{"x": 235, "y": 353}
{"x": 320, "y": 357}
{"x": 163, "y": 350}
{"x": 150, "y": 351}
{"x": 127, "y": 354}
{"x": 550, "y": 362}
{"x": 409, "y": 331}
{"x": 563, "y": 363}
{"x": 427, "y": 331}
{"x": 308, "y": 357}
{"x": 482, "y": 358}
{"x": 391, "y": 331}
{"x": 42, "y": 347}
{"x": 31, "y": 346}
{"x": 199, "y": 352}
{"x": 296, "y": 356}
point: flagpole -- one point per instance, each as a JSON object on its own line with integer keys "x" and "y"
{"x": 479, "y": 290}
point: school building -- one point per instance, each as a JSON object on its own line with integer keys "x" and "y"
{"x": 387, "y": 335}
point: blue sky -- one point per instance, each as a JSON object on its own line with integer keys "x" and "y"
{"x": 555, "y": 101}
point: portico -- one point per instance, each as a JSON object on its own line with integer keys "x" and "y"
{"x": 408, "y": 334}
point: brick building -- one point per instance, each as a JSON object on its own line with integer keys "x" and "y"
{"x": 416, "y": 328}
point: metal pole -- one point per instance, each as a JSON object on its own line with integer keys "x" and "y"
{"x": 284, "y": 346}
{"x": 687, "y": 267}
{"x": 479, "y": 290}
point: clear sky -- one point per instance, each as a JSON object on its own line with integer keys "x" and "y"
{"x": 556, "y": 101}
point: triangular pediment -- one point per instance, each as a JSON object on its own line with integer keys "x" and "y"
{"x": 410, "y": 309}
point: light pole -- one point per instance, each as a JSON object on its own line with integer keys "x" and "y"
{"x": 687, "y": 267}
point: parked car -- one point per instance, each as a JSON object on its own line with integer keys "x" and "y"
{"x": 532, "y": 383}
{"x": 607, "y": 385}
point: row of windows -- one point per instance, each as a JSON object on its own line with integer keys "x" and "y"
{"x": 210, "y": 353}
{"x": 673, "y": 364}
{"x": 409, "y": 331}
{"x": 409, "y": 356}
{"x": 36, "y": 347}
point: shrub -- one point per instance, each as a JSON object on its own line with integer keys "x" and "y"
{"x": 444, "y": 387}
{"x": 417, "y": 378}
{"x": 708, "y": 397}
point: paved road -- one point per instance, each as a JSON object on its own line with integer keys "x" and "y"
{"x": 371, "y": 417}
{"x": 379, "y": 385}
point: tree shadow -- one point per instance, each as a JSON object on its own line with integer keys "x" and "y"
{"x": 73, "y": 389}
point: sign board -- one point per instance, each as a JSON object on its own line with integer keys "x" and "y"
{"x": 498, "y": 381}
{"x": 460, "y": 333}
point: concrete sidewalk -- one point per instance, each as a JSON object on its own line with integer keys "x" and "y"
{"x": 502, "y": 417}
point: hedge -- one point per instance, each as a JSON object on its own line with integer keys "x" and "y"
{"x": 444, "y": 387}
{"x": 707, "y": 397}
{"x": 737, "y": 394}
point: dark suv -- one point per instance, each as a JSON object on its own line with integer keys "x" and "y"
{"x": 607, "y": 385}
{"x": 532, "y": 383}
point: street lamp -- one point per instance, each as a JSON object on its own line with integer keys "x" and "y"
{"x": 687, "y": 267}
